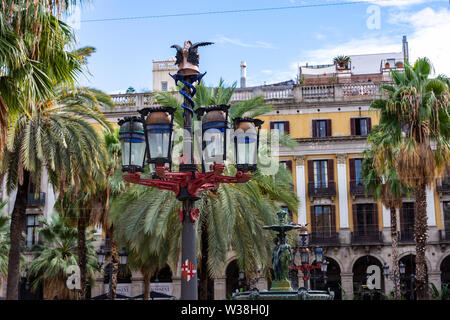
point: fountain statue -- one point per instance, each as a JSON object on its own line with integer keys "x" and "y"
{"x": 281, "y": 261}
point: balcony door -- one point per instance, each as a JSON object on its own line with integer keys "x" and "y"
{"x": 407, "y": 221}
{"x": 365, "y": 221}
{"x": 323, "y": 222}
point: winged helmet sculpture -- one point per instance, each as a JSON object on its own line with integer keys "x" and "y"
{"x": 188, "y": 58}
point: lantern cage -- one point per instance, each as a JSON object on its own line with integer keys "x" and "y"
{"x": 158, "y": 134}
{"x": 132, "y": 139}
{"x": 214, "y": 134}
{"x": 246, "y": 143}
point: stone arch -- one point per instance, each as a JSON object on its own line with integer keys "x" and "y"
{"x": 444, "y": 256}
{"x": 359, "y": 269}
{"x": 444, "y": 267}
{"x": 413, "y": 252}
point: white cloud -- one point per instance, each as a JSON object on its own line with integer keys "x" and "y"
{"x": 399, "y": 3}
{"x": 429, "y": 38}
{"x": 240, "y": 43}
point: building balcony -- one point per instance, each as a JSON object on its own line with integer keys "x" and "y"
{"x": 328, "y": 190}
{"x": 406, "y": 234}
{"x": 443, "y": 185}
{"x": 275, "y": 94}
{"x": 358, "y": 189}
{"x": 366, "y": 235}
{"x": 36, "y": 199}
{"x": 319, "y": 239}
{"x": 444, "y": 236}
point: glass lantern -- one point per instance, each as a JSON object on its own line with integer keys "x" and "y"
{"x": 214, "y": 135}
{"x": 133, "y": 144}
{"x": 159, "y": 131}
{"x": 246, "y": 143}
{"x": 318, "y": 252}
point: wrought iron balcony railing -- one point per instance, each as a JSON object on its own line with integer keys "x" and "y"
{"x": 36, "y": 199}
{"x": 357, "y": 188}
{"x": 325, "y": 238}
{"x": 317, "y": 190}
{"x": 366, "y": 234}
{"x": 443, "y": 184}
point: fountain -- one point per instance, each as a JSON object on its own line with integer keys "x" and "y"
{"x": 281, "y": 261}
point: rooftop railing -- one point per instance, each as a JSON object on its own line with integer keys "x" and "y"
{"x": 274, "y": 94}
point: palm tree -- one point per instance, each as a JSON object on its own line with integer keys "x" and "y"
{"x": 55, "y": 255}
{"x": 4, "y": 242}
{"x": 415, "y": 113}
{"x": 34, "y": 56}
{"x": 57, "y": 136}
{"x": 381, "y": 180}
{"x": 342, "y": 61}
{"x": 231, "y": 217}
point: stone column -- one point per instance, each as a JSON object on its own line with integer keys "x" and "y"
{"x": 342, "y": 190}
{"x": 301, "y": 188}
{"x": 342, "y": 193}
{"x": 431, "y": 212}
{"x": 434, "y": 277}
{"x": 347, "y": 285}
{"x": 386, "y": 224}
{"x": 220, "y": 288}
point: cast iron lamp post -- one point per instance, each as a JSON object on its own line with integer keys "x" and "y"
{"x": 150, "y": 138}
{"x": 393, "y": 277}
{"x": 105, "y": 251}
{"x": 303, "y": 248}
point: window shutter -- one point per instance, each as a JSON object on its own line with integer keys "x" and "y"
{"x": 330, "y": 169}
{"x": 355, "y": 220}
{"x": 369, "y": 124}
{"x": 272, "y": 125}
{"x": 352, "y": 126}
{"x": 328, "y": 125}
{"x": 333, "y": 219}
{"x": 313, "y": 219}
{"x": 375, "y": 217}
{"x": 314, "y": 128}
{"x": 352, "y": 169}
{"x": 286, "y": 127}
{"x": 310, "y": 171}
{"x": 289, "y": 165}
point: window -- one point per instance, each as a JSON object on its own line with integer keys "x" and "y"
{"x": 32, "y": 234}
{"x": 282, "y": 126}
{"x": 320, "y": 173}
{"x": 323, "y": 222}
{"x": 365, "y": 220}
{"x": 446, "y": 206}
{"x": 407, "y": 221}
{"x": 321, "y": 128}
{"x": 356, "y": 177}
{"x": 360, "y": 126}
{"x": 164, "y": 86}
{"x": 287, "y": 164}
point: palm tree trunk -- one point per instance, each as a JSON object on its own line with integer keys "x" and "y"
{"x": 146, "y": 285}
{"x": 115, "y": 264}
{"x": 17, "y": 227}
{"x": 420, "y": 237}
{"x": 395, "y": 266}
{"x": 82, "y": 251}
{"x": 203, "y": 276}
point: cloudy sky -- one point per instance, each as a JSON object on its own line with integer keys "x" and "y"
{"x": 274, "y": 37}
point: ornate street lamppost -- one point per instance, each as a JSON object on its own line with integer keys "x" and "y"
{"x": 105, "y": 251}
{"x": 393, "y": 277}
{"x": 157, "y": 122}
{"x": 303, "y": 248}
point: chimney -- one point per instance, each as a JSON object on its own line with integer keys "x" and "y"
{"x": 243, "y": 74}
{"x": 405, "y": 49}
